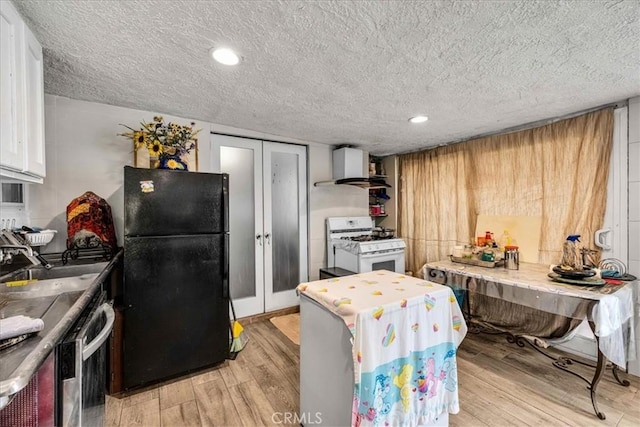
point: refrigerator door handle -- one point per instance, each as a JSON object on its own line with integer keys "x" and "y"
{"x": 225, "y": 202}
{"x": 225, "y": 268}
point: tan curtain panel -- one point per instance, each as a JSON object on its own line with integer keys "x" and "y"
{"x": 558, "y": 171}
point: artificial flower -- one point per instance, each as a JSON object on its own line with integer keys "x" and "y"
{"x": 163, "y": 139}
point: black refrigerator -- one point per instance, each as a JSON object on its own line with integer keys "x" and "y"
{"x": 176, "y": 273}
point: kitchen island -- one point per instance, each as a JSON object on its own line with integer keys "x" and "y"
{"x": 609, "y": 309}
{"x": 378, "y": 348}
{"x": 63, "y": 299}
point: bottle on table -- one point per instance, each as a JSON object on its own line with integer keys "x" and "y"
{"x": 505, "y": 240}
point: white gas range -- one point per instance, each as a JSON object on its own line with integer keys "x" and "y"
{"x": 351, "y": 245}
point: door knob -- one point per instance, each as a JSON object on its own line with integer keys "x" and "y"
{"x": 268, "y": 238}
{"x": 259, "y": 239}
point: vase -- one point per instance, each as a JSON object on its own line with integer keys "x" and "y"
{"x": 172, "y": 162}
{"x": 154, "y": 162}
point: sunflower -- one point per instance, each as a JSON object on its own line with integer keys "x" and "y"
{"x": 163, "y": 140}
{"x": 139, "y": 139}
{"x": 172, "y": 164}
{"x": 156, "y": 148}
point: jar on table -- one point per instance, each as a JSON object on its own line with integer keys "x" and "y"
{"x": 467, "y": 252}
{"x": 488, "y": 255}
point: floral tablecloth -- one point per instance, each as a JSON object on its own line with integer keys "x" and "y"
{"x": 405, "y": 335}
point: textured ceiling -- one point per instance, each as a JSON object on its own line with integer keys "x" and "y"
{"x": 345, "y": 72}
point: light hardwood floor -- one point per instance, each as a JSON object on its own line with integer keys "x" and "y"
{"x": 500, "y": 385}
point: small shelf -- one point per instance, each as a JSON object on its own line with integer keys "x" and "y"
{"x": 324, "y": 183}
{"x": 368, "y": 183}
{"x": 379, "y": 216}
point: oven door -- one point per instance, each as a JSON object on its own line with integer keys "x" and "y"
{"x": 388, "y": 260}
{"x": 84, "y": 366}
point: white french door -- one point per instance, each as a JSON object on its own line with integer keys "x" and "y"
{"x": 285, "y": 222}
{"x": 268, "y": 221}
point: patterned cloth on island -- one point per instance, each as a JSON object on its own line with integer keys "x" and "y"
{"x": 405, "y": 335}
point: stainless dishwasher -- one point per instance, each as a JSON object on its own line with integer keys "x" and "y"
{"x": 83, "y": 366}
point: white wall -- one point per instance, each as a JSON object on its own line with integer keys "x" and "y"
{"x": 634, "y": 211}
{"x": 634, "y": 186}
{"x": 85, "y": 153}
{"x": 328, "y": 201}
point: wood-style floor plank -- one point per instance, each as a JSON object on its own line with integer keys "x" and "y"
{"x": 500, "y": 384}
{"x": 237, "y": 371}
{"x": 184, "y": 414}
{"x": 113, "y": 411}
{"x": 209, "y": 375}
{"x": 176, "y": 393}
{"x": 140, "y": 397}
{"x": 142, "y": 414}
{"x": 279, "y": 391}
{"x": 550, "y": 397}
{"x": 252, "y": 405}
{"x": 215, "y": 405}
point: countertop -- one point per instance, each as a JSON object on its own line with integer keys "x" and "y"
{"x": 20, "y": 362}
{"x": 530, "y": 276}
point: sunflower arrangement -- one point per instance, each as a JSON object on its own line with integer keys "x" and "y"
{"x": 165, "y": 141}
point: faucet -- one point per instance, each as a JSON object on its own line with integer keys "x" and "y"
{"x": 8, "y": 251}
{"x": 16, "y": 247}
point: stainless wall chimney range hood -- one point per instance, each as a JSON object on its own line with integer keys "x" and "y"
{"x": 349, "y": 169}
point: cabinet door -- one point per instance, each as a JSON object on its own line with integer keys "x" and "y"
{"x": 34, "y": 105}
{"x": 11, "y": 33}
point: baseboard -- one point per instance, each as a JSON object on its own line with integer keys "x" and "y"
{"x": 265, "y": 316}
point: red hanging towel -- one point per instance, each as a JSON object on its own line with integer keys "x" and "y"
{"x": 89, "y": 223}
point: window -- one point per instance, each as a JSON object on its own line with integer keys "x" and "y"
{"x": 12, "y": 193}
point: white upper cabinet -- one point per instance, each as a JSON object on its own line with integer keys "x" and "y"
{"x": 11, "y": 27}
{"x": 22, "y": 153}
{"x": 34, "y": 108}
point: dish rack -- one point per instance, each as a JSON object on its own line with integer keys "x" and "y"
{"x": 479, "y": 263}
{"x": 41, "y": 238}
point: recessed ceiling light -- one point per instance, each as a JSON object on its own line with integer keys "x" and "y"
{"x": 418, "y": 119}
{"x": 225, "y": 56}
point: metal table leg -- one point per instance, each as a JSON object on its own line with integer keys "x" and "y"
{"x": 597, "y": 376}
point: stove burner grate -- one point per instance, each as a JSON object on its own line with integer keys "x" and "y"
{"x": 366, "y": 238}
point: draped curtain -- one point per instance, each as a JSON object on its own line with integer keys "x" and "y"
{"x": 558, "y": 171}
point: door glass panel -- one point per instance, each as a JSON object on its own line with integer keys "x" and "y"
{"x": 286, "y": 217}
{"x": 238, "y": 163}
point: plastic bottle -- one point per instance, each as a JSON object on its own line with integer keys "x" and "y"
{"x": 505, "y": 240}
{"x": 488, "y": 238}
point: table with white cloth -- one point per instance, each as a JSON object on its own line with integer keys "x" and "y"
{"x": 609, "y": 309}
{"x": 405, "y": 333}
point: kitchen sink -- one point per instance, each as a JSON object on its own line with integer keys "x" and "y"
{"x": 56, "y": 272}
{"x": 36, "y": 288}
{"x": 37, "y": 282}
